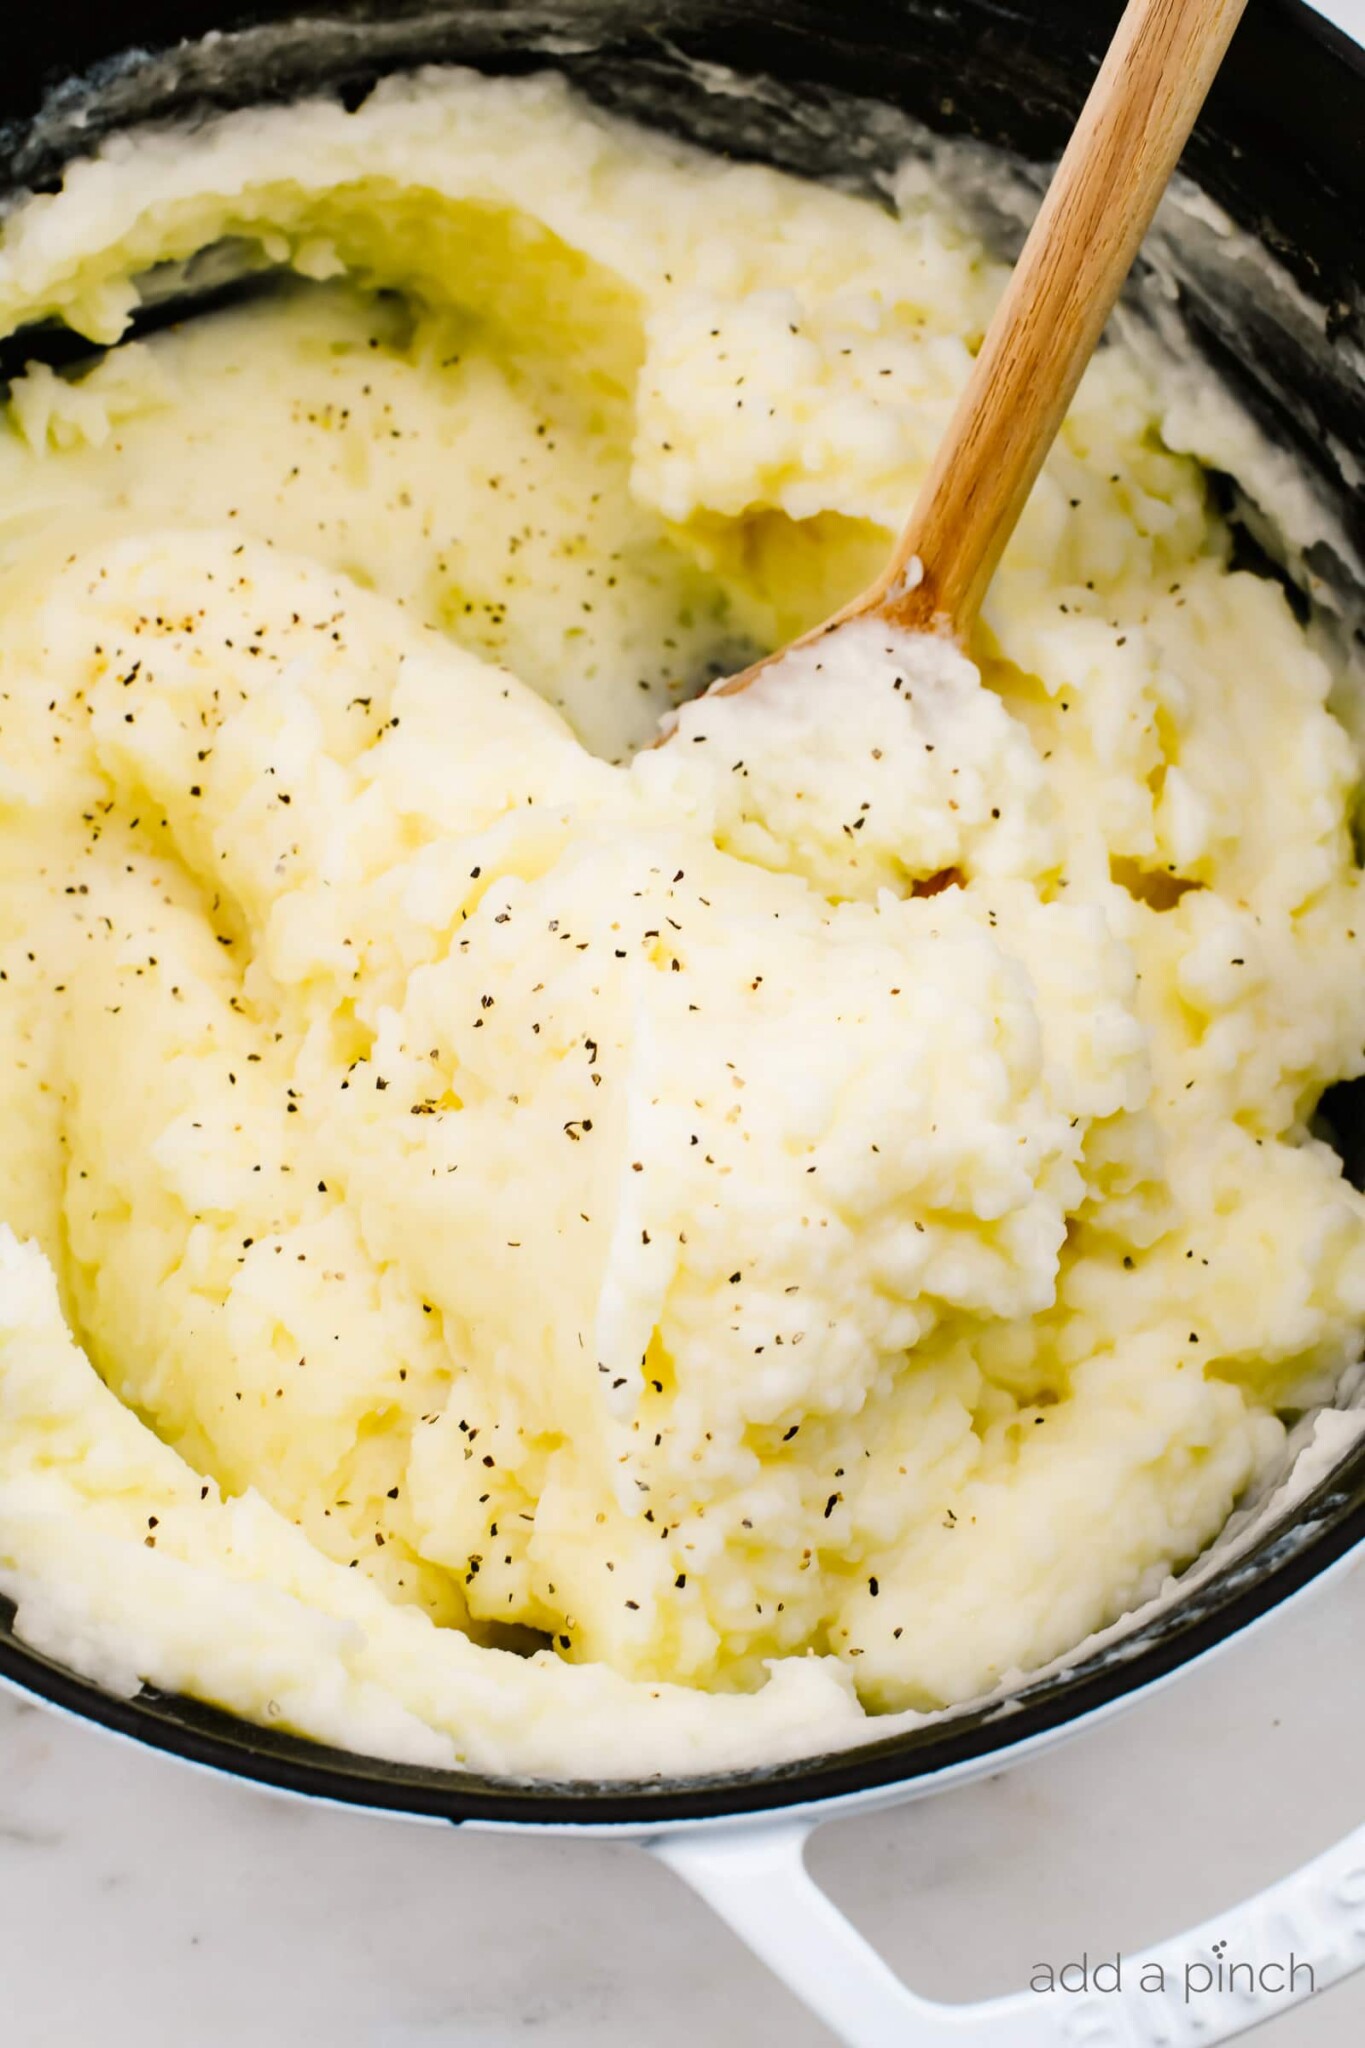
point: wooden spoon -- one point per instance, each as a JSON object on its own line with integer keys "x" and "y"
{"x": 1099, "y": 205}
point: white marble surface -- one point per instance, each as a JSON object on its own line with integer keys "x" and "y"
{"x": 145, "y": 1906}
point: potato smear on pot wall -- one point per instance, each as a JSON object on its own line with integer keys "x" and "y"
{"x": 530, "y": 1251}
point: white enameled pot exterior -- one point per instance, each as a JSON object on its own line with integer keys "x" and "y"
{"x": 755, "y": 1877}
{"x": 753, "y": 1873}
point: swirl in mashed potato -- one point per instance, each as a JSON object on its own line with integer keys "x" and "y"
{"x": 572, "y": 1264}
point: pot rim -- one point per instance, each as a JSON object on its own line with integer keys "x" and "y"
{"x": 1323, "y": 1535}
{"x": 1299, "y": 1550}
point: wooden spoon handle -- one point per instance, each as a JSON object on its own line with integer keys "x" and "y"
{"x": 1100, "y": 203}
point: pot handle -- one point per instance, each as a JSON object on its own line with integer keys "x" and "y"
{"x": 1299, "y": 1936}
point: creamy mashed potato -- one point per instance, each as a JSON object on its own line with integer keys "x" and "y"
{"x": 530, "y": 1253}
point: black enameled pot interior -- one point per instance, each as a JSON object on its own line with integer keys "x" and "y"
{"x": 1281, "y": 147}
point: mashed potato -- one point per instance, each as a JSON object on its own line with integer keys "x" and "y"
{"x": 528, "y": 1253}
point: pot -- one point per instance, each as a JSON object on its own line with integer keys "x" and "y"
{"x": 1281, "y": 148}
